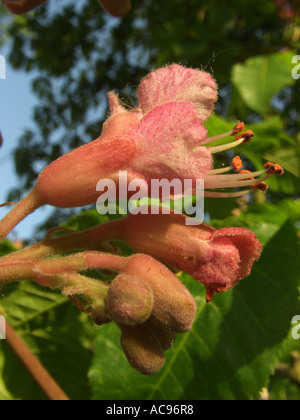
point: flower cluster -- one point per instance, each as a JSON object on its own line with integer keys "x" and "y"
{"x": 162, "y": 138}
{"x": 145, "y": 299}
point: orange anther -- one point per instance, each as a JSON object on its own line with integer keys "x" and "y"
{"x": 237, "y": 163}
{"x": 248, "y": 136}
{"x": 238, "y": 128}
{"x": 244, "y": 171}
{"x": 273, "y": 168}
{"x": 260, "y": 186}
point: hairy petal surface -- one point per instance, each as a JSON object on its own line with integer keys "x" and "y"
{"x": 176, "y": 83}
{"x": 165, "y": 142}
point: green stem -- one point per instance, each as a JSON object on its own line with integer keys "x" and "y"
{"x": 62, "y": 265}
{"x": 91, "y": 238}
{"x": 52, "y": 390}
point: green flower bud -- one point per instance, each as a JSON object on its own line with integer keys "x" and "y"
{"x": 142, "y": 349}
{"x": 174, "y": 307}
{"x": 165, "y": 336}
{"x": 129, "y": 300}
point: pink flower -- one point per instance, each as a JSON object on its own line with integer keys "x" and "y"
{"x": 218, "y": 258}
{"x": 163, "y": 138}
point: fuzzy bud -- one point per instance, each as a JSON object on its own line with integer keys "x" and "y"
{"x": 129, "y": 300}
{"x": 174, "y": 307}
{"x": 165, "y": 336}
{"x": 142, "y": 349}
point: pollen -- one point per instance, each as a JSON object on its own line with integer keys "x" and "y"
{"x": 262, "y": 186}
{"x": 238, "y": 128}
{"x": 273, "y": 168}
{"x": 237, "y": 164}
{"x": 247, "y": 135}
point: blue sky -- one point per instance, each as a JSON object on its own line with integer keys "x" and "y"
{"x": 16, "y": 105}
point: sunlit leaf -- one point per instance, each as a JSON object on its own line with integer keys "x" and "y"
{"x": 261, "y": 77}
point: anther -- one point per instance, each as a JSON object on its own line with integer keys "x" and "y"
{"x": 262, "y": 186}
{"x": 273, "y": 168}
{"x": 240, "y": 126}
{"x": 247, "y": 135}
{"x": 237, "y": 164}
{"x": 236, "y": 129}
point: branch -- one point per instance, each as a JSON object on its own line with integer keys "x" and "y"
{"x": 51, "y": 389}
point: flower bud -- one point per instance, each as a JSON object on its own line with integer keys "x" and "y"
{"x": 174, "y": 307}
{"x": 129, "y": 300}
{"x": 117, "y": 8}
{"x": 218, "y": 258}
{"x": 142, "y": 349}
{"x": 165, "y": 336}
{"x": 18, "y": 7}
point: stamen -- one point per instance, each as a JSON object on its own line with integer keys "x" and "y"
{"x": 236, "y": 129}
{"x": 224, "y": 147}
{"x": 220, "y": 170}
{"x": 273, "y": 168}
{"x": 236, "y": 177}
{"x": 260, "y": 186}
{"x": 245, "y": 171}
{"x": 237, "y": 164}
{"x": 216, "y": 194}
{"x": 247, "y": 135}
{"x": 208, "y": 183}
{"x": 217, "y": 137}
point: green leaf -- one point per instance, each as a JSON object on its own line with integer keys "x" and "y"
{"x": 265, "y": 219}
{"x": 261, "y": 77}
{"x": 6, "y": 247}
{"x": 233, "y": 347}
{"x": 55, "y": 331}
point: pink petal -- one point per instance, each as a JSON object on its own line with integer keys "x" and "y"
{"x": 176, "y": 83}
{"x": 166, "y": 140}
{"x": 247, "y": 244}
{"x": 220, "y": 267}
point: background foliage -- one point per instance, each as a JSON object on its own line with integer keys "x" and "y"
{"x": 78, "y": 54}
